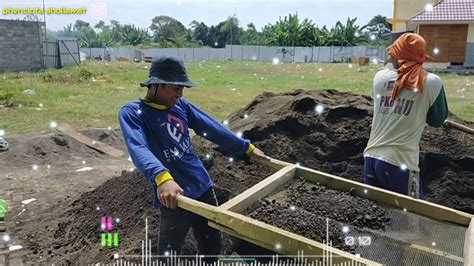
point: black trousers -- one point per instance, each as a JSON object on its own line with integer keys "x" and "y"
{"x": 175, "y": 224}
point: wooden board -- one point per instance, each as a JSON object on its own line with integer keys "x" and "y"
{"x": 260, "y": 190}
{"x": 226, "y": 219}
{"x": 267, "y": 236}
{"x": 94, "y": 144}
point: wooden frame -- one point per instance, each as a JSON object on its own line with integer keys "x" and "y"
{"x": 227, "y": 217}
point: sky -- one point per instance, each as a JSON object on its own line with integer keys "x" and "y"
{"x": 211, "y": 12}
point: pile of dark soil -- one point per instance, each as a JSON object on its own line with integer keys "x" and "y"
{"x": 303, "y": 207}
{"x": 286, "y": 127}
{"x": 57, "y": 148}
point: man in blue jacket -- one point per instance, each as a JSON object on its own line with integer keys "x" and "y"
{"x": 156, "y": 132}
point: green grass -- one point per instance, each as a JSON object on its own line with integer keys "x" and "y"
{"x": 90, "y": 95}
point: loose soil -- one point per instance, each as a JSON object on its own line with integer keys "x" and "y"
{"x": 63, "y": 224}
{"x": 303, "y": 207}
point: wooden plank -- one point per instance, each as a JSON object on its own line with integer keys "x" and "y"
{"x": 437, "y": 252}
{"x": 260, "y": 190}
{"x": 94, "y": 144}
{"x": 459, "y": 126}
{"x": 205, "y": 210}
{"x": 290, "y": 243}
{"x": 265, "y": 235}
{"x": 469, "y": 245}
{"x": 352, "y": 261}
{"x": 390, "y": 198}
{"x": 273, "y": 163}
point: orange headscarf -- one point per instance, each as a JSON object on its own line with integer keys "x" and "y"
{"x": 410, "y": 50}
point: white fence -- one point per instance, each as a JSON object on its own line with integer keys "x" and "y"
{"x": 242, "y": 52}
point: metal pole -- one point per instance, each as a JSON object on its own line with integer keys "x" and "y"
{"x": 44, "y": 18}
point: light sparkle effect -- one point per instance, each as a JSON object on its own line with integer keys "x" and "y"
{"x": 226, "y": 122}
{"x": 83, "y": 162}
{"x": 433, "y": 244}
{"x": 204, "y": 134}
{"x": 109, "y": 128}
{"x": 436, "y": 51}
{"x": 53, "y": 124}
{"x": 292, "y": 208}
{"x": 2, "y": 132}
{"x": 35, "y": 167}
{"x": 167, "y": 253}
{"x": 278, "y": 246}
{"x": 319, "y": 109}
{"x": 429, "y": 7}
{"x": 350, "y": 65}
{"x": 93, "y": 142}
{"x": 366, "y": 191}
{"x": 345, "y": 229}
{"x": 117, "y": 220}
{"x": 40, "y": 105}
{"x": 231, "y": 159}
{"x": 404, "y": 209}
{"x": 246, "y": 116}
{"x": 139, "y": 111}
{"x": 240, "y": 134}
{"x": 131, "y": 169}
{"x": 275, "y": 61}
{"x": 372, "y": 37}
{"x": 320, "y": 70}
{"x": 208, "y": 156}
{"x": 375, "y": 61}
{"x": 6, "y": 237}
{"x": 403, "y": 167}
{"x": 116, "y": 256}
{"x": 97, "y": 208}
{"x": 357, "y": 34}
{"x": 378, "y": 96}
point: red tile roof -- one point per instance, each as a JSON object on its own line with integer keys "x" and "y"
{"x": 447, "y": 10}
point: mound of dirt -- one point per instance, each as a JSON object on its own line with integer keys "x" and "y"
{"x": 57, "y": 148}
{"x": 286, "y": 127}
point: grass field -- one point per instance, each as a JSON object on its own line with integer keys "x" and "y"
{"x": 90, "y": 95}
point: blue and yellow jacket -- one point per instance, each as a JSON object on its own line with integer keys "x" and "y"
{"x": 159, "y": 144}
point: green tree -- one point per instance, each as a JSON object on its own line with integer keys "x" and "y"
{"x": 349, "y": 34}
{"x": 199, "y": 32}
{"x": 290, "y": 32}
{"x": 251, "y": 36}
{"x": 168, "y": 30}
{"x": 231, "y": 31}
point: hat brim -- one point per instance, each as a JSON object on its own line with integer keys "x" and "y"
{"x": 155, "y": 80}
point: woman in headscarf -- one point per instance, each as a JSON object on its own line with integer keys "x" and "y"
{"x": 406, "y": 99}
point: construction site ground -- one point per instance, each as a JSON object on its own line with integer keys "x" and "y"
{"x": 62, "y": 224}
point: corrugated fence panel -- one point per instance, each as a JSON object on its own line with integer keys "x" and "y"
{"x": 51, "y": 54}
{"x": 250, "y": 52}
{"x": 201, "y": 54}
{"x": 242, "y": 52}
{"x": 186, "y": 54}
{"x": 303, "y": 54}
{"x": 69, "y": 52}
{"x": 217, "y": 54}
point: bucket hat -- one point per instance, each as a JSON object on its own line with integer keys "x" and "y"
{"x": 168, "y": 70}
